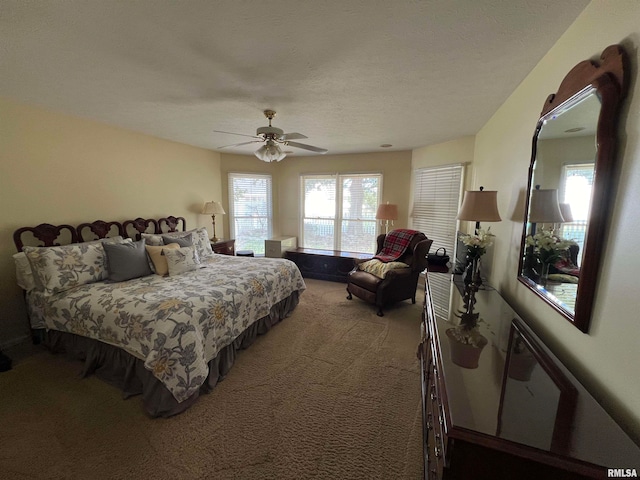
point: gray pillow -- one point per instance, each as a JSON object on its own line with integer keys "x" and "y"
{"x": 184, "y": 241}
{"x": 127, "y": 260}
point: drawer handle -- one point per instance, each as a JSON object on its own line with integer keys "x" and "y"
{"x": 437, "y": 452}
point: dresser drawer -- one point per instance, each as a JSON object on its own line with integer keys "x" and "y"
{"x": 435, "y": 440}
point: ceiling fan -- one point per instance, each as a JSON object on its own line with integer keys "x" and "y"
{"x": 273, "y": 138}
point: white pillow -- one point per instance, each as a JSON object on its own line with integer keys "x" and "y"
{"x": 24, "y": 275}
{"x": 182, "y": 260}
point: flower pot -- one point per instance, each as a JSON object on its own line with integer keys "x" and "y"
{"x": 465, "y": 347}
{"x": 521, "y": 366}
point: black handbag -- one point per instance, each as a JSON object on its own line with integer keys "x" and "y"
{"x": 438, "y": 258}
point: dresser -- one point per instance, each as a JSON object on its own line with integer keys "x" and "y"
{"x": 225, "y": 247}
{"x": 330, "y": 265}
{"x": 519, "y": 415}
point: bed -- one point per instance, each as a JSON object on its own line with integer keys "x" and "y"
{"x": 168, "y": 337}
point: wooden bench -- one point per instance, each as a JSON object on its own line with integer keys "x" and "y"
{"x": 332, "y": 265}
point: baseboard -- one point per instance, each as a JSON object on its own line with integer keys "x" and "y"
{"x": 15, "y": 341}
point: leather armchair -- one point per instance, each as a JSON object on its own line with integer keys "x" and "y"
{"x": 398, "y": 284}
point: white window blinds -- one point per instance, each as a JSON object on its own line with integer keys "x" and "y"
{"x": 250, "y": 215}
{"x": 436, "y": 201}
{"x": 339, "y": 211}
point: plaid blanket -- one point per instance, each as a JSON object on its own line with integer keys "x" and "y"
{"x": 395, "y": 244}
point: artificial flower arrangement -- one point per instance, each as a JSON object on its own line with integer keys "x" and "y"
{"x": 547, "y": 246}
{"x": 477, "y": 244}
{"x": 476, "y": 247}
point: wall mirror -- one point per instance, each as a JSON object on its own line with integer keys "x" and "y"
{"x": 571, "y": 176}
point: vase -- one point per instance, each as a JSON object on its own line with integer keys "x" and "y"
{"x": 465, "y": 352}
{"x": 472, "y": 272}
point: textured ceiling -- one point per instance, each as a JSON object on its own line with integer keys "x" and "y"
{"x": 349, "y": 74}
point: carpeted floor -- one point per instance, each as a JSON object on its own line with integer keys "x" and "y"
{"x": 332, "y": 392}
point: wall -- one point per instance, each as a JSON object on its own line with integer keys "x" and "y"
{"x": 61, "y": 169}
{"x": 394, "y": 166}
{"x": 459, "y": 150}
{"x": 606, "y": 358}
{"x": 553, "y": 154}
{"x": 248, "y": 164}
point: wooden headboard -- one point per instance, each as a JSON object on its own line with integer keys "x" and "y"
{"x": 51, "y": 235}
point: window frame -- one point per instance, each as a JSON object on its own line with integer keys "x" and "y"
{"x": 338, "y": 217}
{"x": 258, "y": 248}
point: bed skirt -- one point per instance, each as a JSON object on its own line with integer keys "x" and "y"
{"x": 126, "y": 372}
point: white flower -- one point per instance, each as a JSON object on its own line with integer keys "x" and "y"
{"x": 547, "y": 245}
{"x": 478, "y": 243}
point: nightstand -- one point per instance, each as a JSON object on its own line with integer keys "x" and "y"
{"x": 225, "y": 247}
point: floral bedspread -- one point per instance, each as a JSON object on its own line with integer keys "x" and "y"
{"x": 175, "y": 324}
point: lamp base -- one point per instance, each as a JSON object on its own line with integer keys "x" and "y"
{"x": 214, "y": 240}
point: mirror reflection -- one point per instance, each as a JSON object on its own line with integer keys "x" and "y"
{"x": 534, "y": 386}
{"x": 560, "y": 199}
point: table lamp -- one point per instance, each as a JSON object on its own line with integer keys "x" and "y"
{"x": 213, "y": 209}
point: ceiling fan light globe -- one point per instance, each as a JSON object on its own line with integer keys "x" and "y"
{"x": 270, "y": 152}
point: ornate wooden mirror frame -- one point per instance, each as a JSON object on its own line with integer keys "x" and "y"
{"x": 606, "y": 82}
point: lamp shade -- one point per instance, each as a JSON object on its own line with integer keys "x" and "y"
{"x": 387, "y": 211}
{"x": 213, "y": 208}
{"x": 544, "y": 206}
{"x": 565, "y": 209}
{"x": 270, "y": 152}
{"x": 480, "y": 206}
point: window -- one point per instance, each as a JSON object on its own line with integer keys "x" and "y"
{"x": 435, "y": 206}
{"x": 575, "y": 189}
{"x": 339, "y": 212}
{"x": 250, "y": 215}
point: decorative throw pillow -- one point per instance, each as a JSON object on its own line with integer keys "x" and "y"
{"x": 202, "y": 242}
{"x": 158, "y": 257}
{"x": 563, "y": 278}
{"x": 182, "y": 260}
{"x": 152, "y": 239}
{"x": 183, "y": 241}
{"x": 380, "y": 269}
{"x": 200, "y": 238}
{"x": 56, "y": 269}
{"x": 127, "y": 261}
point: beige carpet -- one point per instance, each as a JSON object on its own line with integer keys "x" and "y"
{"x": 332, "y": 392}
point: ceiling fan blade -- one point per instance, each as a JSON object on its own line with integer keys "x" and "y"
{"x": 293, "y": 136}
{"x": 243, "y": 143}
{"x": 307, "y": 147}
{"x": 231, "y": 133}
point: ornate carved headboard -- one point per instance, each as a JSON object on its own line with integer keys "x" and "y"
{"x": 47, "y": 235}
